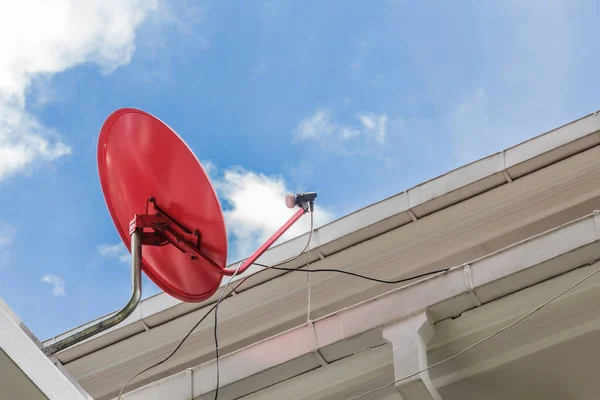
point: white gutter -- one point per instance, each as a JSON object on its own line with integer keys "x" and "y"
{"x": 406, "y": 207}
{"x": 510, "y": 270}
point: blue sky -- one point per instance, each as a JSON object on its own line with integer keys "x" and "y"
{"x": 356, "y": 100}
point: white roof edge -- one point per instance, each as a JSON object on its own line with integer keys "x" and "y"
{"x": 417, "y": 196}
{"x": 19, "y": 322}
{"x": 40, "y": 370}
{"x": 487, "y": 272}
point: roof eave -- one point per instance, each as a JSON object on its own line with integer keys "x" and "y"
{"x": 415, "y": 203}
{"x": 559, "y": 251}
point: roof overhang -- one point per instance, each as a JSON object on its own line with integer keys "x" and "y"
{"x": 544, "y": 265}
{"x": 462, "y": 215}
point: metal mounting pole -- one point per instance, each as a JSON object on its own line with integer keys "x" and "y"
{"x": 136, "y": 295}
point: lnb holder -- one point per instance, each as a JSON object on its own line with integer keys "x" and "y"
{"x": 303, "y": 200}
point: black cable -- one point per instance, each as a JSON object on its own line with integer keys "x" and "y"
{"x": 214, "y": 307}
{"x": 216, "y": 348}
{"x": 186, "y": 336}
{"x": 266, "y": 267}
{"x": 341, "y": 271}
{"x": 172, "y": 353}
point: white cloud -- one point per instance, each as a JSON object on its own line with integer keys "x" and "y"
{"x": 316, "y": 126}
{"x": 321, "y": 127}
{"x": 256, "y": 209}
{"x": 375, "y": 126}
{"x": 58, "y": 285}
{"x": 39, "y": 39}
{"x": 118, "y": 251}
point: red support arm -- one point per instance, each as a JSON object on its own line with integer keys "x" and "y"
{"x": 255, "y": 256}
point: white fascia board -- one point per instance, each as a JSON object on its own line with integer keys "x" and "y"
{"x": 426, "y": 198}
{"x": 551, "y": 140}
{"x": 24, "y": 352}
{"x": 448, "y": 294}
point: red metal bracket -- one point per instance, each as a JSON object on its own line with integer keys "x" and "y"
{"x": 166, "y": 230}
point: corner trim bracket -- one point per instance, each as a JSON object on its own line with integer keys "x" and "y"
{"x": 409, "y": 338}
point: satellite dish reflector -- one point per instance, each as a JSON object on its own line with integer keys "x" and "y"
{"x": 145, "y": 167}
{"x": 167, "y": 214}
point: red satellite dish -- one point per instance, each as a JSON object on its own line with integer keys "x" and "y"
{"x": 141, "y": 159}
{"x": 152, "y": 181}
{"x": 167, "y": 213}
